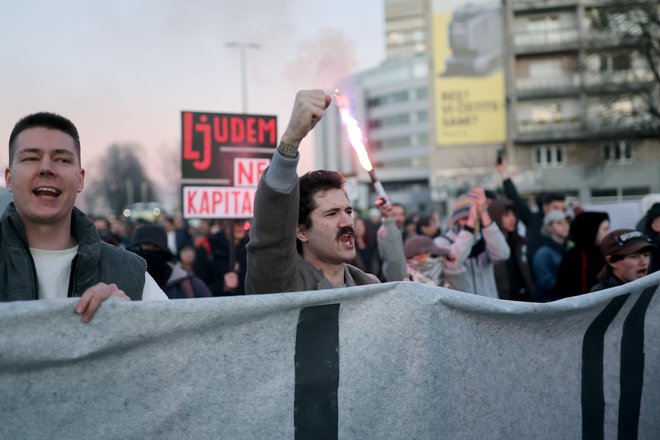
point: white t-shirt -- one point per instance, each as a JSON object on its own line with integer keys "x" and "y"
{"x": 54, "y": 269}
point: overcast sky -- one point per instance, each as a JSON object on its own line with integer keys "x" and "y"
{"x": 123, "y": 70}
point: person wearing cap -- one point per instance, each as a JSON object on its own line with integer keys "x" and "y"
{"x": 513, "y": 276}
{"x": 424, "y": 260}
{"x": 150, "y": 242}
{"x": 547, "y": 258}
{"x": 49, "y": 249}
{"x": 477, "y": 243}
{"x": 581, "y": 264}
{"x": 627, "y": 253}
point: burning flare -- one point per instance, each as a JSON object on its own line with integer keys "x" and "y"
{"x": 355, "y": 139}
{"x": 353, "y": 131}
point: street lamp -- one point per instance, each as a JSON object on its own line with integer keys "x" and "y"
{"x": 243, "y": 46}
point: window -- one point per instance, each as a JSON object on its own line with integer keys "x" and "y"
{"x": 391, "y": 98}
{"x": 397, "y": 142}
{"x": 546, "y": 113}
{"x": 549, "y": 156}
{"x": 387, "y": 121}
{"x": 618, "y": 152}
{"x": 615, "y": 62}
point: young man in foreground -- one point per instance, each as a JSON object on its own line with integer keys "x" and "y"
{"x": 48, "y": 248}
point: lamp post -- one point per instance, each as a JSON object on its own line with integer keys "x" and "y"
{"x": 243, "y": 46}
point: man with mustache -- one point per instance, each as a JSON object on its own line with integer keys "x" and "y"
{"x": 302, "y": 234}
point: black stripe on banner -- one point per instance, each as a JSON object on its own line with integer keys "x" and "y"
{"x": 593, "y": 398}
{"x": 317, "y": 373}
{"x": 632, "y": 366}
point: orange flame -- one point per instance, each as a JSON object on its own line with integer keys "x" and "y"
{"x": 353, "y": 131}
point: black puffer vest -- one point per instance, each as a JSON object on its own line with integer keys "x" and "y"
{"x": 95, "y": 262}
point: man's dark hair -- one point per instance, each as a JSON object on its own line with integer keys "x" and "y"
{"x": 312, "y": 183}
{"x": 401, "y": 205}
{"x": 48, "y": 120}
{"x": 553, "y": 197}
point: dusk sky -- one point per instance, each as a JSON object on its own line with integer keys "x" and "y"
{"x": 123, "y": 70}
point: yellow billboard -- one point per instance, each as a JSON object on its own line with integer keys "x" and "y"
{"x": 468, "y": 75}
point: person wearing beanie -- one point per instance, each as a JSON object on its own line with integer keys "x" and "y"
{"x": 581, "y": 264}
{"x": 150, "y": 242}
{"x": 513, "y": 276}
{"x": 546, "y": 260}
{"x": 628, "y": 254}
{"x": 476, "y": 242}
{"x": 424, "y": 260}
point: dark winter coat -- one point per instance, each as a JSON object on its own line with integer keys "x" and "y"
{"x": 580, "y": 265}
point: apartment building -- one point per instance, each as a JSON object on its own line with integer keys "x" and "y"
{"x": 578, "y": 86}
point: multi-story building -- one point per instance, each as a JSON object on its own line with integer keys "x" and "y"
{"x": 406, "y": 29}
{"x": 573, "y": 93}
{"x": 577, "y": 83}
{"x": 390, "y": 102}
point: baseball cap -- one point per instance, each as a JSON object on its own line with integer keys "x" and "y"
{"x": 623, "y": 242}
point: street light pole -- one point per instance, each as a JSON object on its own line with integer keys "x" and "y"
{"x": 243, "y": 46}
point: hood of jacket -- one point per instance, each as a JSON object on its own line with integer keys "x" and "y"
{"x": 584, "y": 228}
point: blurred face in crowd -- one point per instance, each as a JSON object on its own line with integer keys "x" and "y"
{"x": 509, "y": 221}
{"x": 431, "y": 229}
{"x": 330, "y": 239}
{"x": 555, "y": 205}
{"x": 631, "y": 267}
{"x": 559, "y": 229}
{"x": 655, "y": 225}
{"x": 45, "y": 176}
{"x": 603, "y": 229}
{"x": 399, "y": 213}
{"x": 360, "y": 227}
{"x": 187, "y": 257}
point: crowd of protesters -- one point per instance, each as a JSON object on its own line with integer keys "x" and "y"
{"x": 481, "y": 247}
{"x": 305, "y": 236}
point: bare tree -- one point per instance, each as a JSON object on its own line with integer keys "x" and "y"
{"x": 122, "y": 179}
{"x": 625, "y": 36}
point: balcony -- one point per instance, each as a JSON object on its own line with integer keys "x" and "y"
{"x": 555, "y": 40}
{"x": 558, "y": 130}
{"x": 548, "y": 86}
{"x": 523, "y": 5}
{"x": 610, "y": 38}
{"x": 630, "y": 80}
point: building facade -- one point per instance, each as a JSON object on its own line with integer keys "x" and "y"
{"x": 577, "y": 87}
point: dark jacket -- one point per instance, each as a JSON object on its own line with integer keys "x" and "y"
{"x": 533, "y": 221}
{"x": 608, "y": 282}
{"x": 513, "y": 276}
{"x": 182, "y": 284}
{"x": 545, "y": 265}
{"x": 212, "y": 267}
{"x": 95, "y": 262}
{"x": 580, "y": 265}
{"x": 653, "y": 213}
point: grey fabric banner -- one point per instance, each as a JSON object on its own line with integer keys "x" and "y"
{"x": 391, "y": 361}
